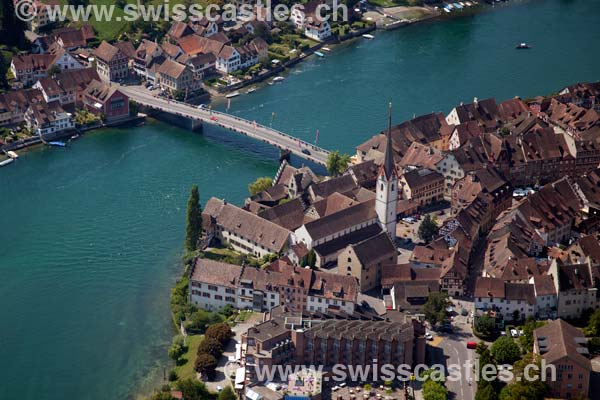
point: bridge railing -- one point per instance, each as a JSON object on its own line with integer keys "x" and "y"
{"x": 250, "y": 123}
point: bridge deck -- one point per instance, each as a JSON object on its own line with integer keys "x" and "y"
{"x": 251, "y": 129}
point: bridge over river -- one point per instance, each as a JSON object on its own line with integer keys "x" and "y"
{"x": 281, "y": 140}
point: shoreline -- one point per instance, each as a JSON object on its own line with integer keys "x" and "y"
{"x": 34, "y": 141}
{"x": 434, "y": 16}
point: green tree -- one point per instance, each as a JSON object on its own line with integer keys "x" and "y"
{"x": 433, "y": 390}
{"x": 337, "y": 163}
{"x": 435, "y": 307}
{"x": 522, "y": 388}
{"x": 193, "y": 389}
{"x": 175, "y": 351}
{"x": 53, "y": 70}
{"x": 526, "y": 340}
{"x": 221, "y": 331}
{"x": 260, "y": 185}
{"x": 505, "y": 350}
{"x": 311, "y": 259}
{"x": 201, "y": 320}
{"x": 227, "y": 394}
{"x": 206, "y": 365}
{"x": 486, "y": 391}
{"x": 194, "y": 220}
{"x": 485, "y": 325}
{"x": 211, "y": 346}
{"x": 593, "y": 326}
{"x": 428, "y": 229}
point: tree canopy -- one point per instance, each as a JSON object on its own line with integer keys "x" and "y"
{"x": 433, "y": 390}
{"x": 194, "y": 220}
{"x": 505, "y": 350}
{"x": 227, "y": 394}
{"x": 259, "y": 185}
{"x": 206, "y": 365}
{"x": 212, "y": 346}
{"x": 593, "y": 326}
{"x": 221, "y": 332}
{"x": 337, "y": 163}
{"x": 428, "y": 228}
{"x": 435, "y": 307}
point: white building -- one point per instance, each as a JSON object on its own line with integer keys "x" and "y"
{"x": 214, "y": 285}
{"x": 507, "y": 299}
{"x": 45, "y": 119}
{"x": 244, "y": 231}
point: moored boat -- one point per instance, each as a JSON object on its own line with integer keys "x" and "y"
{"x": 522, "y": 46}
{"x": 57, "y": 144}
{"x": 234, "y": 94}
{"x": 278, "y": 79}
{"x": 319, "y": 54}
{"x": 367, "y": 36}
{"x": 251, "y": 90}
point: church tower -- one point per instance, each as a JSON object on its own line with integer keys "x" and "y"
{"x": 387, "y": 187}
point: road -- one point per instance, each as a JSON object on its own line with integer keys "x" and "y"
{"x": 281, "y": 140}
{"x": 452, "y": 349}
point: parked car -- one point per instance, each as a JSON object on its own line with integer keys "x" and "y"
{"x": 471, "y": 345}
{"x": 514, "y": 333}
{"x": 306, "y": 151}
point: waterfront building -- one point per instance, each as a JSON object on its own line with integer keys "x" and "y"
{"x": 14, "y": 104}
{"x": 214, "y": 285}
{"x": 102, "y": 99}
{"x": 48, "y": 118}
{"x": 244, "y": 231}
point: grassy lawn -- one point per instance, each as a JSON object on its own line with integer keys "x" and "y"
{"x": 243, "y": 316}
{"x": 186, "y": 369}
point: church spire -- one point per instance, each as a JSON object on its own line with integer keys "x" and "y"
{"x": 388, "y": 160}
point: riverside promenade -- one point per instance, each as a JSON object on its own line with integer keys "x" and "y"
{"x": 245, "y": 127}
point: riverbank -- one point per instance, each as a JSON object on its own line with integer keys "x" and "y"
{"x": 69, "y": 135}
{"x": 389, "y": 19}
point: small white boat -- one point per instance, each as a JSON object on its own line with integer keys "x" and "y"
{"x": 12, "y": 154}
{"x": 251, "y": 90}
{"x": 319, "y": 54}
{"x": 6, "y": 162}
{"x": 367, "y": 36}
{"x": 234, "y": 94}
{"x": 325, "y": 49}
{"x": 278, "y": 79}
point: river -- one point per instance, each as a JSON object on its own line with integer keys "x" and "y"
{"x": 91, "y": 235}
